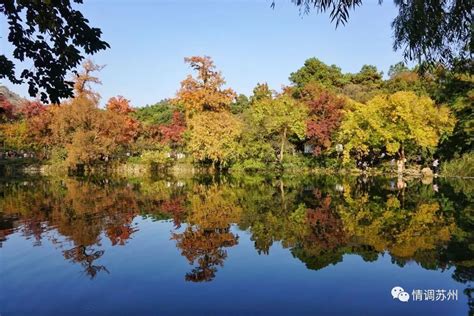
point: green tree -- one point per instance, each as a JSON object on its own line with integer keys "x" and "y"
{"x": 282, "y": 116}
{"x": 256, "y": 147}
{"x": 240, "y": 104}
{"x": 364, "y": 85}
{"x": 368, "y": 75}
{"x": 397, "y": 69}
{"x": 316, "y": 71}
{"x": 261, "y": 92}
{"x": 401, "y": 78}
{"x": 156, "y": 114}
{"x": 456, "y": 89}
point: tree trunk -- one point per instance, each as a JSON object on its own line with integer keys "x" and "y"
{"x": 401, "y": 161}
{"x": 282, "y": 148}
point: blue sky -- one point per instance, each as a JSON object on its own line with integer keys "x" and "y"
{"x": 249, "y": 42}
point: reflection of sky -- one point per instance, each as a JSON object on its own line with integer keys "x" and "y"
{"x": 249, "y": 41}
{"x": 147, "y": 278}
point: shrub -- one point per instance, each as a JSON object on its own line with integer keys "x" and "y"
{"x": 460, "y": 167}
{"x": 156, "y": 159}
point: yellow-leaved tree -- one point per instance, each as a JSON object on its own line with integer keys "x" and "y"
{"x": 213, "y": 131}
{"x": 214, "y": 137}
{"x": 204, "y": 92}
{"x": 400, "y": 123}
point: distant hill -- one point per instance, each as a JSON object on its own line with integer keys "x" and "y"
{"x": 11, "y": 96}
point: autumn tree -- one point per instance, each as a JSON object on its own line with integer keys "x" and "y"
{"x": 401, "y": 78}
{"x": 40, "y": 130}
{"x": 214, "y": 137}
{"x": 124, "y": 128}
{"x": 91, "y": 135}
{"x": 399, "y": 123}
{"x": 87, "y": 147}
{"x": 172, "y": 133}
{"x": 87, "y": 133}
{"x": 14, "y": 135}
{"x": 75, "y": 114}
{"x": 214, "y": 132}
{"x": 32, "y": 108}
{"x": 84, "y": 79}
{"x": 261, "y": 92}
{"x": 119, "y": 105}
{"x": 204, "y": 92}
{"x": 15, "y": 130}
{"x": 162, "y": 123}
{"x": 282, "y": 116}
{"x": 324, "y": 115}
{"x": 6, "y": 110}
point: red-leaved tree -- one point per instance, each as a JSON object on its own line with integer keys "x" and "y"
{"x": 6, "y": 110}
{"x": 32, "y": 108}
{"x": 172, "y": 133}
{"x": 325, "y": 114}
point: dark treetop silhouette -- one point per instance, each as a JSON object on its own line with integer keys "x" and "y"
{"x": 54, "y": 36}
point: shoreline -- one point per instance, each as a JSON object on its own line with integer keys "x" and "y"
{"x": 187, "y": 169}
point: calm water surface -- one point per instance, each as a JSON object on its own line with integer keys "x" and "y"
{"x": 223, "y": 245}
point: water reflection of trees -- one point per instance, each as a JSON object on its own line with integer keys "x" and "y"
{"x": 82, "y": 213}
{"x": 367, "y": 218}
{"x": 330, "y": 219}
{"x": 86, "y": 256}
{"x": 208, "y": 233}
{"x": 318, "y": 219}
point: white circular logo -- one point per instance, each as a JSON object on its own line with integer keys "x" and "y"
{"x": 399, "y": 293}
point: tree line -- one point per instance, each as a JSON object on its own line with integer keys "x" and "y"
{"x": 324, "y": 118}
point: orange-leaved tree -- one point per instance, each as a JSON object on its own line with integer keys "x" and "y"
{"x": 123, "y": 128}
{"x": 204, "y": 92}
{"x": 214, "y": 131}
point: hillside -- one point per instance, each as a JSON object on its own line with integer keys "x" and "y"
{"x": 11, "y": 96}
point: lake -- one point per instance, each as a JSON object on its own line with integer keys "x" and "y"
{"x": 235, "y": 245}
